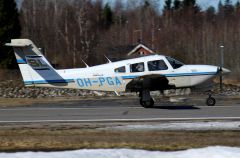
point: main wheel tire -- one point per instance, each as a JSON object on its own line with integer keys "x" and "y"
{"x": 147, "y": 104}
{"x": 210, "y": 101}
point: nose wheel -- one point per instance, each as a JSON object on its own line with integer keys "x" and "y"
{"x": 145, "y": 99}
{"x": 147, "y": 104}
{"x": 210, "y": 100}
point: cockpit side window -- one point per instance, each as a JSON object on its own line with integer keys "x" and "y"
{"x": 138, "y": 67}
{"x": 157, "y": 65}
{"x": 121, "y": 69}
{"x": 175, "y": 64}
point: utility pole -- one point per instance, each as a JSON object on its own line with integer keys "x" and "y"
{"x": 221, "y": 66}
{"x": 141, "y": 36}
{"x": 153, "y": 36}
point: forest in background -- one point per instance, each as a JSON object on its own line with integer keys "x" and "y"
{"x": 69, "y": 31}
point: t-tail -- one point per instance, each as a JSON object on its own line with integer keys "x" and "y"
{"x": 34, "y": 67}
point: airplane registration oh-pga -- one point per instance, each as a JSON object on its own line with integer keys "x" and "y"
{"x": 142, "y": 74}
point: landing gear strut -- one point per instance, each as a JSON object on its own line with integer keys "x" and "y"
{"x": 210, "y": 100}
{"x": 145, "y": 99}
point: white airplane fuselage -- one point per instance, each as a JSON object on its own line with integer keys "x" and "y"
{"x": 104, "y": 78}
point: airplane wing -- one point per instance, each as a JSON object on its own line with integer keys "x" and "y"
{"x": 148, "y": 82}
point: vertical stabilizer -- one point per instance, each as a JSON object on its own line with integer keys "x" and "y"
{"x": 34, "y": 67}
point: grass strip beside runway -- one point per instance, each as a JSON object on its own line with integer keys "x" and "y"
{"x": 45, "y": 138}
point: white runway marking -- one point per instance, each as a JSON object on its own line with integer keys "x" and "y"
{"x": 124, "y": 120}
{"x": 70, "y": 108}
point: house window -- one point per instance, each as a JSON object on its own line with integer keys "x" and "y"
{"x": 138, "y": 67}
{"x": 157, "y": 65}
{"x": 121, "y": 69}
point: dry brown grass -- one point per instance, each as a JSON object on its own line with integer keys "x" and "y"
{"x": 77, "y": 138}
{"x": 8, "y": 102}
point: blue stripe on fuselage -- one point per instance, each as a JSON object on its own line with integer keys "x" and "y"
{"x": 21, "y": 61}
{"x": 129, "y": 77}
{"x": 190, "y": 74}
{"x": 48, "y": 81}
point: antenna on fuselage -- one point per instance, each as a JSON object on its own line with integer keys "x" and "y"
{"x": 109, "y": 61}
{"x": 85, "y": 63}
{"x": 117, "y": 94}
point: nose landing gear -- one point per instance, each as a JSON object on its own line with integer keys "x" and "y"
{"x": 210, "y": 100}
{"x": 145, "y": 99}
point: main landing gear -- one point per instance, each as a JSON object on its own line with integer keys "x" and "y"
{"x": 145, "y": 99}
{"x": 210, "y": 100}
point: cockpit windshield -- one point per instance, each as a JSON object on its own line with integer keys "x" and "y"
{"x": 175, "y": 63}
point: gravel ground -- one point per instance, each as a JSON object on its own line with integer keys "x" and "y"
{"x": 16, "y": 89}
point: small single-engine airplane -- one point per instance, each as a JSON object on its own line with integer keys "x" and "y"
{"x": 142, "y": 74}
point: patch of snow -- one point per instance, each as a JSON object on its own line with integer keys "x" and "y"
{"x": 180, "y": 126}
{"x": 209, "y": 152}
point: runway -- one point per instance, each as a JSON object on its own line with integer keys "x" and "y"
{"x": 114, "y": 110}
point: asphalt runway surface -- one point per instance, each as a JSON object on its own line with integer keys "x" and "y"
{"x": 120, "y": 109}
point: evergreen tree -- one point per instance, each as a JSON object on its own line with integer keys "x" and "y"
{"x": 237, "y": 7}
{"x": 237, "y": 4}
{"x": 168, "y": 5}
{"x": 210, "y": 12}
{"x": 107, "y": 16}
{"x": 9, "y": 29}
{"x": 146, "y": 4}
{"x": 228, "y": 8}
{"x": 176, "y": 4}
{"x": 189, "y": 3}
{"x": 220, "y": 9}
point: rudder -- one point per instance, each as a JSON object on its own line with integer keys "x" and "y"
{"x": 34, "y": 67}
